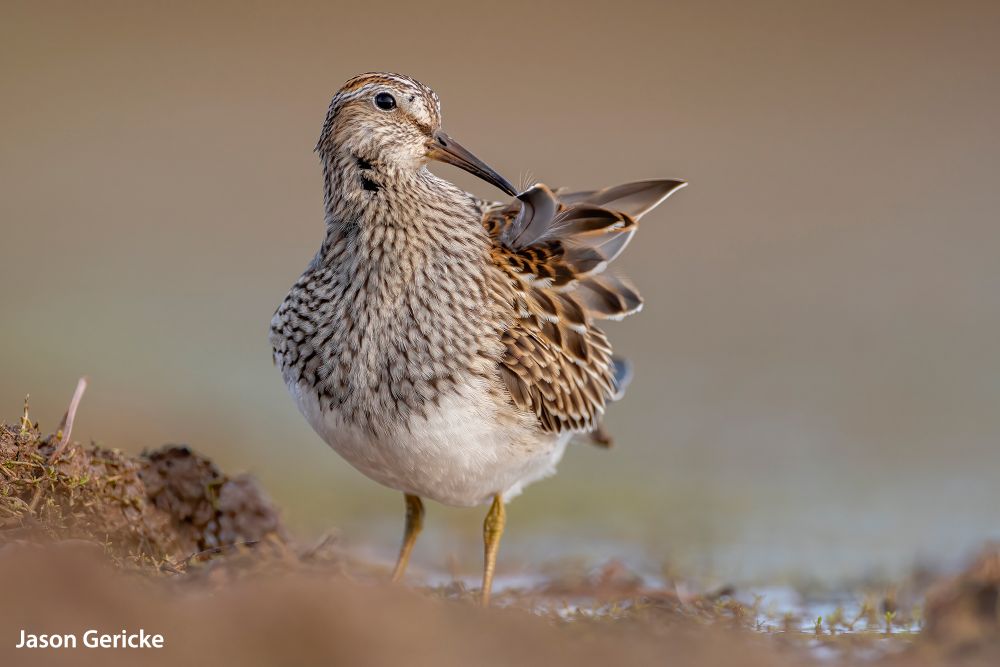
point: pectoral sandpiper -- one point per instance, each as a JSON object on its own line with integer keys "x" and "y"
{"x": 447, "y": 346}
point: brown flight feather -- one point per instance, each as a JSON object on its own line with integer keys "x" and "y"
{"x": 555, "y": 247}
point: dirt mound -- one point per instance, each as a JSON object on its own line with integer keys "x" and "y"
{"x": 153, "y": 510}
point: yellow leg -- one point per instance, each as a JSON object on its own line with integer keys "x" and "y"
{"x": 492, "y": 531}
{"x": 414, "y": 522}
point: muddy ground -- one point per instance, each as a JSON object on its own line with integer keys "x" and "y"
{"x": 167, "y": 542}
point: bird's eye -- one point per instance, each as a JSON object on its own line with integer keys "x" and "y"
{"x": 385, "y": 101}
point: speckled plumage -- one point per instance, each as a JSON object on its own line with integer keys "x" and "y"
{"x": 447, "y": 346}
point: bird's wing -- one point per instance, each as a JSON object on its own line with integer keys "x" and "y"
{"x": 555, "y": 247}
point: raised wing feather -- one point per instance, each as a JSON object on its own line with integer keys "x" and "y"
{"x": 556, "y": 246}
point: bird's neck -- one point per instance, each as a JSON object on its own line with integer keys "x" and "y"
{"x": 385, "y": 213}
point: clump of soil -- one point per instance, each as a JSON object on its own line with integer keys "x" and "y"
{"x": 963, "y": 613}
{"x": 153, "y": 510}
{"x": 208, "y": 508}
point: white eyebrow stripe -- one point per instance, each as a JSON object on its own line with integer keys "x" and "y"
{"x": 355, "y": 94}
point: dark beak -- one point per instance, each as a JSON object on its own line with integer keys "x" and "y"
{"x": 446, "y": 149}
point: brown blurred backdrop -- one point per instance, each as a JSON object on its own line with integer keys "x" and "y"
{"x": 818, "y": 385}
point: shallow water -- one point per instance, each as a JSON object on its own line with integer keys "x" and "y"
{"x": 775, "y": 608}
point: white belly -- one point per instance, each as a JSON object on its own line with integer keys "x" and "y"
{"x": 461, "y": 454}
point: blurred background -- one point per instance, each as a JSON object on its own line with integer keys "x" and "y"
{"x": 818, "y": 362}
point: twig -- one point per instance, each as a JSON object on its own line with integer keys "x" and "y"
{"x": 65, "y": 430}
{"x": 66, "y": 426}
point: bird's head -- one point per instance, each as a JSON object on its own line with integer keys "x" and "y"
{"x": 394, "y": 122}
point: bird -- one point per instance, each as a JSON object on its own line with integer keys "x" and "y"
{"x": 447, "y": 346}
